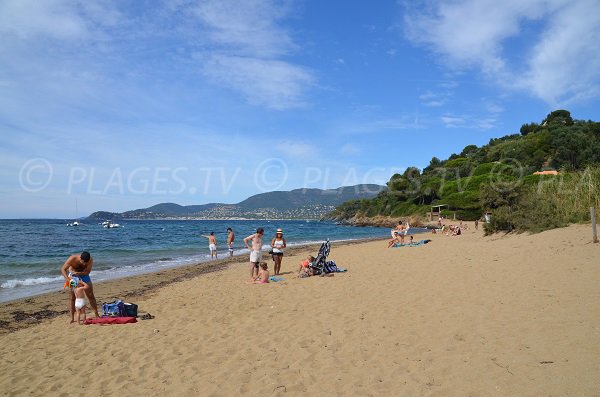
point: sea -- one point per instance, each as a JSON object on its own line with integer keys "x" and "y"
{"x": 32, "y": 251}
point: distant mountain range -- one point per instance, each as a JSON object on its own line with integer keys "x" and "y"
{"x": 294, "y": 204}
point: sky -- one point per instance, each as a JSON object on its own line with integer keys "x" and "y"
{"x": 118, "y": 105}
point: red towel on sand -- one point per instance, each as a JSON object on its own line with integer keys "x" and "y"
{"x": 110, "y": 320}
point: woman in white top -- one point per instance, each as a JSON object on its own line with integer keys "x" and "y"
{"x": 278, "y": 244}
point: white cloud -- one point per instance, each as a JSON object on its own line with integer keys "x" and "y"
{"x": 249, "y": 27}
{"x": 55, "y": 19}
{"x": 350, "y": 149}
{"x": 492, "y": 107}
{"x": 248, "y": 49}
{"x": 299, "y": 150}
{"x": 468, "y": 121}
{"x": 272, "y": 83}
{"x": 390, "y": 124}
{"x": 72, "y": 44}
{"x": 372, "y": 124}
{"x": 563, "y": 62}
{"x": 432, "y": 99}
{"x": 440, "y": 94}
{"x": 453, "y": 121}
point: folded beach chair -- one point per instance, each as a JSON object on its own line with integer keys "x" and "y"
{"x": 319, "y": 263}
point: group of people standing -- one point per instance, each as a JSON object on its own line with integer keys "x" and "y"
{"x": 254, "y": 243}
{"x": 77, "y": 268}
{"x": 212, "y": 243}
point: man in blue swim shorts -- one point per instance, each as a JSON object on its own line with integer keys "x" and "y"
{"x": 80, "y": 266}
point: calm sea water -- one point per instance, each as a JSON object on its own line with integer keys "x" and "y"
{"x": 32, "y": 251}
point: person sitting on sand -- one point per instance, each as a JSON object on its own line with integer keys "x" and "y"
{"x": 394, "y": 233}
{"x": 263, "y": 274}
{"x": 305, "y": 264}
{"x": 212, "y": 245}
{"x": 80, "y": 289}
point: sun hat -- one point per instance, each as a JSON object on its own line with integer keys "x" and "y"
{"x": 279, "y": 231}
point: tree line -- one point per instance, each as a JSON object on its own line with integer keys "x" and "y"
{"x": 496, "y": 177}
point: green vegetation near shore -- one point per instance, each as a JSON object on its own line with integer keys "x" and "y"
{"x": 543, "y": 202}
{"x": 498, "y": 177}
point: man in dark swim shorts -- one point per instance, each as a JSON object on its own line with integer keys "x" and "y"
{"x": 80, "y": 266}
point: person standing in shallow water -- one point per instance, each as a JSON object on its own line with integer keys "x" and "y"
{"x": 212, "y": 245}
{"x": 277, "y": 245}
{"x": 230, "y": 240}
{"x": 80, "y": 266}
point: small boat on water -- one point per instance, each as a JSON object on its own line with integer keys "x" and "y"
{"x": 110, "y": 225}
{"x": 75, "y": 223}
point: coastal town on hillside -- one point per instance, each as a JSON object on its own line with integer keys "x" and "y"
{"x": 316, "y": 211}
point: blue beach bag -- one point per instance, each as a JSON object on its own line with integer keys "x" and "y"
{"x": 115, "y": 309}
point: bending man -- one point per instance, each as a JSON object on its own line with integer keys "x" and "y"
{"x": 80, "y": 266}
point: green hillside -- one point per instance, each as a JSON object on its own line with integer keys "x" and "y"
{"x": 283, "y": 200}
{"x": 466, "y": 181}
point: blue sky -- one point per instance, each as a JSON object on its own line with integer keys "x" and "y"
{"x": 119, "y": 105}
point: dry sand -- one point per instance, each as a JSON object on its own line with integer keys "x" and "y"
{"x": 514, "y": 315}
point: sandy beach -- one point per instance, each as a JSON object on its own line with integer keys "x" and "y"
{"x": 515, "y": 315}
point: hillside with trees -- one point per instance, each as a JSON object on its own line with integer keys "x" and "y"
{"x": 497, "y": 177}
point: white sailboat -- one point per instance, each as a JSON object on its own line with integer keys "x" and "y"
{"x": 75, "y": 222}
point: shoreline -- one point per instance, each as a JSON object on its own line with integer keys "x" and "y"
{"x": 95, "y": 221}
{"x": 502, "y": 315}
{"x": 33, "y": 310}
{"x": 154, "y": 266}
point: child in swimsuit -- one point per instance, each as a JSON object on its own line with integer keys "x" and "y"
{"x": 304, "y": 266}
{"x": 80, "y": 288}
{"x": 263, "y": 274}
